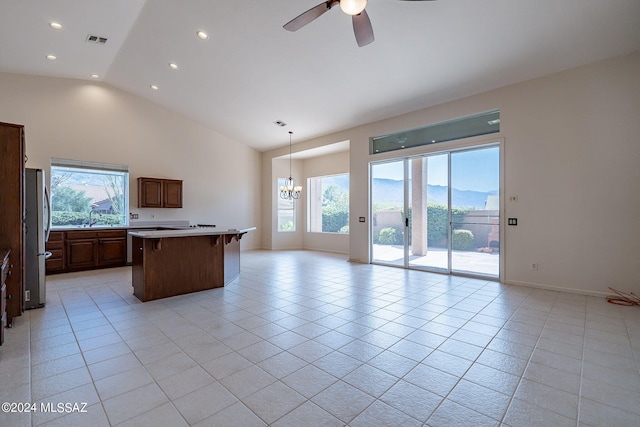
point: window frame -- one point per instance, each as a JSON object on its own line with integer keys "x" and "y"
{"x": 99, "y": 169}
{"x": 314, "y": 218}
{"x": 280, "y": 202}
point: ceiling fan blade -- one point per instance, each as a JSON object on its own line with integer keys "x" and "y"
{"x": 306, "y": 17}
{"x": 362, "y": 28}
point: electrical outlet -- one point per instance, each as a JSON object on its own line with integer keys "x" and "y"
{"x": 534, "y": 266}
{"x": 513, "y": 198}
{"x": 133, "y": 216}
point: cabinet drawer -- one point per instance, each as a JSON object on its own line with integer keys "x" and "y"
{"x": 52, "y": 246}
{"x": 56, "y": 236}
{"x": 92, "y": 234}
{"x": 56, "y": 253}
{"x": 54, "y": 265}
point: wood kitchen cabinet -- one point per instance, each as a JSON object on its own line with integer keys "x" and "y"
{"x": 159, "y": 193}
{"x": 12, "y": 164}
{"x": 4, "y": 258}
{"x": 90, "y": 249}
{"x": 56, "y": 262}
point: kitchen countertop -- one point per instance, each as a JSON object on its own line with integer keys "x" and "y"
{"x": 205, "y": 231}
{"x": 178, "y": 225}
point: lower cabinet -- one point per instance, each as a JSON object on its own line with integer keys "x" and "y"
{"x": 87, "y": 250}
{"x": 56, "y": 263}
{"x": 4, "y": 259}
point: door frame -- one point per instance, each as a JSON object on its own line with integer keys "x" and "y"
{"x": 445, "y": 147}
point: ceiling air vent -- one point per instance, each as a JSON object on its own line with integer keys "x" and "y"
{"x": 96, "y": 39}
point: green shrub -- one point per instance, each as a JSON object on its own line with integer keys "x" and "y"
{"x": 287, "y": 226}
{"x": 390, "y": 236}
{"x": 334, "y": 219}
{"x": 344, "y": 230}
{"x": 65, "y": 218}
{"x": 462, "y": 240}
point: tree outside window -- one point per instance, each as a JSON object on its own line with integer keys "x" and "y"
{"x": 87, "y": 196}
{"x": 329, "y": 204}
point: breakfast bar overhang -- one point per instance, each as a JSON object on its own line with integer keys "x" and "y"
{"x": 167, "y": 263}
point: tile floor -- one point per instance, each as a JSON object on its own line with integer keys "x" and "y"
{"x": 305, "y": 338}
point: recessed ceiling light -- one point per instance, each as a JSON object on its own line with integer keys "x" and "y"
{"x": 95, "y": 76}
{"x": 154, "y": 87}
{"x": 51, "y": 57}
{"x": 202, "y": 35}
{"x": 173, "y": 65}
{"x": 55, "y": 25}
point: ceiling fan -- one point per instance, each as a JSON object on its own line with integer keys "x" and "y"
{"x": 356, "y": 8}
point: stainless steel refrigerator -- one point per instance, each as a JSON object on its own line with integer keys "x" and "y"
{"x": 37, "y": 222}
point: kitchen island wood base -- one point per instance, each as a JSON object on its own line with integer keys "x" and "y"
{"x": 168, "y": 266}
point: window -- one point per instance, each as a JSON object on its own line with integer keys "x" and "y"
{"x": 329, "y": 204}
{"x": 465, "y": 127}
{"x": 87, "y": 193}
{"x": 286, "y": 212}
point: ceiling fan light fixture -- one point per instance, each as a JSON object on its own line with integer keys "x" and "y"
{"x": 353, "y": 7}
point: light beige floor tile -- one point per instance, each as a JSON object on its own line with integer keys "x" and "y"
{"x": 134, "y": 403}
{"x": 308, "y": 415}
{"x": 273, "y": 401}
{"x": 309, "y": 380}
{"x": 204, "y": 402}
{"x": 185, "y": 382}
{"x": 121, "y": 383}
{"x": 380, "y": 413}
{"x": 247, "y": 381}
{"x": 412, "y": 400}
{"x": 236, "y": 415}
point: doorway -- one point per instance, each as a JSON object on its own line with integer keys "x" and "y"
{"x": 438, "y": 212}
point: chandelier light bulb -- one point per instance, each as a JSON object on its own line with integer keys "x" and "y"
{"x": 353, "y": 7}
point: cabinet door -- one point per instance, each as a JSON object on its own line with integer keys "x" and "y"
{"x": 172, "y": 192}
{"x": 82, "y": 253}
{"x": 149, "y": 193}
{"x": 112, "y": 251}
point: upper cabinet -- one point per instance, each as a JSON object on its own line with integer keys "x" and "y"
{"x": 171, "y": 193}
{"x": 159, "y": 193}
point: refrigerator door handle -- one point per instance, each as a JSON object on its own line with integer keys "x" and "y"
{"x": 47, "y": 201}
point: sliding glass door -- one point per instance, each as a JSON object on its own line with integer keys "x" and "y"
{"x": 438, "y": 212}
{"x": 388, "y": 213}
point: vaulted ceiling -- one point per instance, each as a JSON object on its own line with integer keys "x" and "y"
{"x": 251, "y": 72}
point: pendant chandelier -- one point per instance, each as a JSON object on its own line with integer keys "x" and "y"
{"x": 290, "y": 190}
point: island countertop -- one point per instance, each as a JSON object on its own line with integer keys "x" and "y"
{"x": 188, "y": 232}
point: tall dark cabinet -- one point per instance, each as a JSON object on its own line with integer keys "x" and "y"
{"x": 12, "y": 164}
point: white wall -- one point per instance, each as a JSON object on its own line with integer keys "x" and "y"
{"x": 571, "y": 155}
{"x": 90, "y": 121}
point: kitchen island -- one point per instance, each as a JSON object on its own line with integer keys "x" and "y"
{"x": 166, "y": 263}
